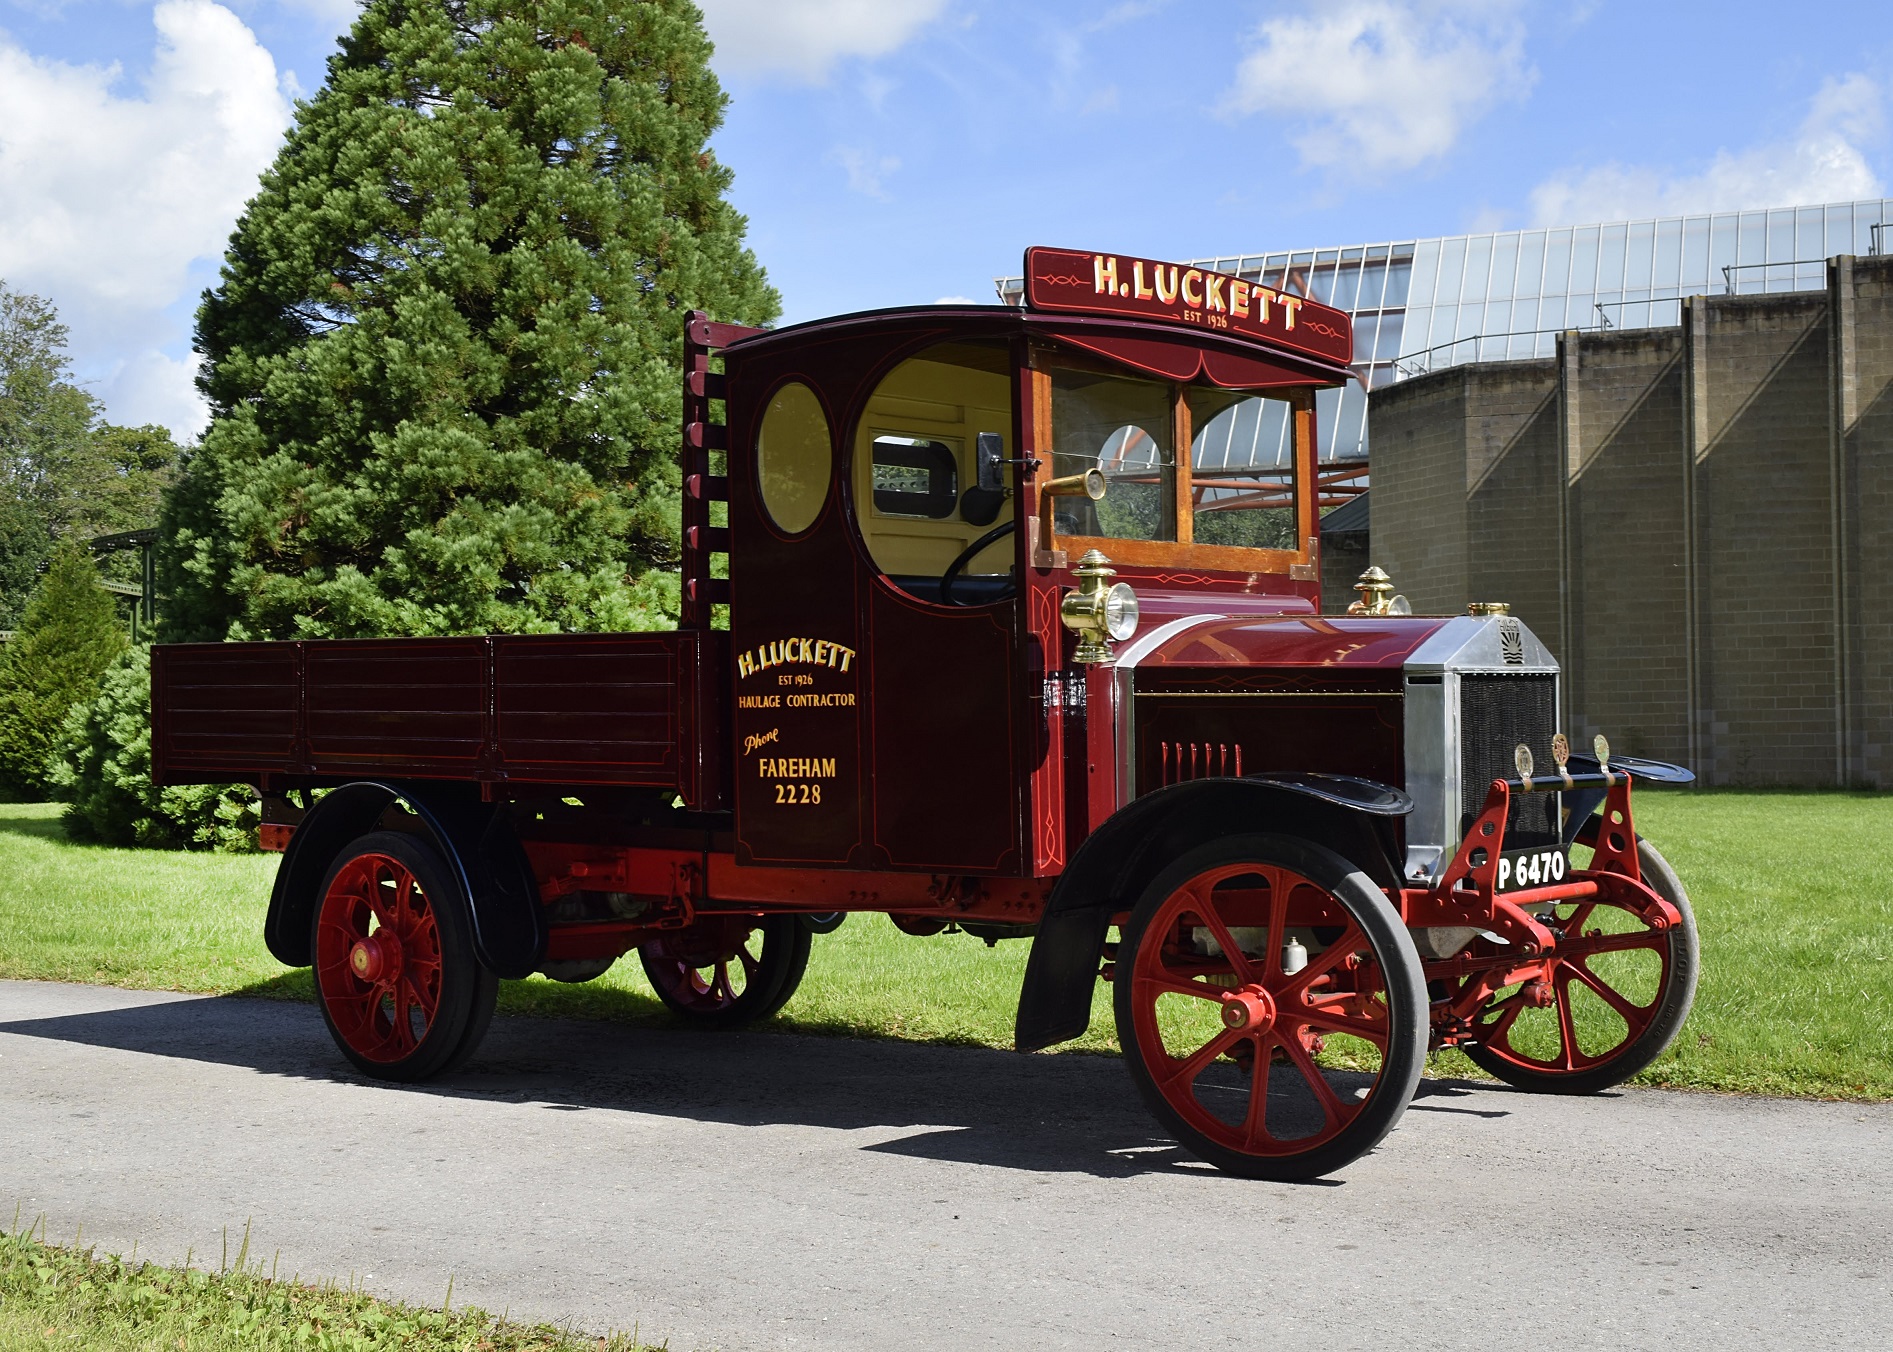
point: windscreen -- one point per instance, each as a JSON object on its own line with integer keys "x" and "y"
{"x": 1125, "y": 428}
{"x": 1240, "y": 467}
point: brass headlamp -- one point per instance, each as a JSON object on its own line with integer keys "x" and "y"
{"x": 1097, "y": 610}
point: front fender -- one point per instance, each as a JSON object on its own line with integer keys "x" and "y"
{"x": 476, "y": 840}
{"x": 1111, "y": 868}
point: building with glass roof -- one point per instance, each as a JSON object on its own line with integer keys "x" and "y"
{"x": 1424, "y": 304}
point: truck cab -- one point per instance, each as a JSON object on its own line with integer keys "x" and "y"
{"x": 915, "y": 508}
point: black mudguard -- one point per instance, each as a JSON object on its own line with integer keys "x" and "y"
{"x": 476, "y": 840}
{"x": 1581, "y": 804}
{"x": 1110, "y": 870}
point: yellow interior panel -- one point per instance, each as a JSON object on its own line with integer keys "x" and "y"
{"x": 933, "y": 401}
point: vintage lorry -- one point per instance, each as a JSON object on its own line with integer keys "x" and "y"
{"x": 1020, "y": 634}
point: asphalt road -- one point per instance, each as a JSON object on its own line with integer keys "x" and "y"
{"x": 756, "y": 1191}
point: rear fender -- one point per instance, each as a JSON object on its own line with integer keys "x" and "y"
{"x": 476, "y": 840}
{"x": 1353, "y": 817}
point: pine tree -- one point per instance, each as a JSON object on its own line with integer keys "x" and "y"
{"x": 69, "y": 635}
{"x": 443, "y": 354}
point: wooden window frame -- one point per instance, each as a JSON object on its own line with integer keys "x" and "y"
{"x": 1059, "y": 551}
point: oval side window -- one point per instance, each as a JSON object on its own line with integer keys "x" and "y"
{"x": 794, "y": 458}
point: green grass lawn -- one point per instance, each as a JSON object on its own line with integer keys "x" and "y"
{"x": 54, "y": 1296}
{"x": 1793, "y": 892}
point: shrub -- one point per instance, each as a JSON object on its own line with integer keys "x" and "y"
{"x": 68, "y": 636}
{"x": 103, "y": 769}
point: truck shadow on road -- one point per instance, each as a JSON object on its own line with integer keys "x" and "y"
{"x": 970, "y": 1105}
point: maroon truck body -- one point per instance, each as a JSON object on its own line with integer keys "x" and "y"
{"x": 1018, "y": 635}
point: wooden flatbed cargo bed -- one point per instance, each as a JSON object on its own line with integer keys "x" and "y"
{"x": 556, "y": 709}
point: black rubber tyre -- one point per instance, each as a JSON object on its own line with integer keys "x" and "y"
{"x": 1368, "y": 958}
{"x": 485, "y": 1000}
{"x": 396, "y": 977}
{"x": 695, "y": 974}
{"x": 1672, "y": 1004}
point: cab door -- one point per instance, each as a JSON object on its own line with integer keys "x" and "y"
{"x": 874, "y": 605}
{"x": 943, "y": 594}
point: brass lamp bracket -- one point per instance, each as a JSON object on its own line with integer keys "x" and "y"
{"x": 1089, "y": 484}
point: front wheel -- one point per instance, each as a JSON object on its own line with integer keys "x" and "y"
{"x": 396, "y": 977}
{"x": 725, "y": 971}
{"x": 1270, "y": 1006}
{"x": 1606, "y": 1003}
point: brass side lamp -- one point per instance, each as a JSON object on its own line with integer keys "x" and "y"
{"x": 1377, "y": 596}
{"x": 1099, "y": 611}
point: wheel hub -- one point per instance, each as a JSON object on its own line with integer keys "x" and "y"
{"x": 1251, "y": 1009}
{"x": 374, "y": 958}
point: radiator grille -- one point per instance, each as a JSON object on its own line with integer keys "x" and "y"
{"x": 1496, "y": 713}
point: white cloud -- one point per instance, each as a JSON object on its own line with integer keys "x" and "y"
{"x": 1383, "y": 84}
{"x": 1823, "y": 161}
{"x": 801, "y": 40}
{"x": 106, "y": 197}
{"x": 959, "y": 300}
{"x": 865, "y": 172}
{"x": 151, "y": 387}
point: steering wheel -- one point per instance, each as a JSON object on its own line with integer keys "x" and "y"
{"x": 965, "y": 556}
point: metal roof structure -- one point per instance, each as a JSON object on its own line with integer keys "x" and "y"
{"x": 1423, "y": 304}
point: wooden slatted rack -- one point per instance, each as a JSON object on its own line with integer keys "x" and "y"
{"x": 703, "y": 338}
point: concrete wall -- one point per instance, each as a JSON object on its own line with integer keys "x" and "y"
{"x": 1693, "y": 517}
{"x": 1344, "y": 557}
{"x": 1625, "y": 525}
{"x": 1422, "y": 543}
{"x": 1512, "y": 489}
{"x": 1863, "y": 352}
{"x": 1764, "y": 538}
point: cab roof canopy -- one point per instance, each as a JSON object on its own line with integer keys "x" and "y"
{"x": 1174, "y": 323}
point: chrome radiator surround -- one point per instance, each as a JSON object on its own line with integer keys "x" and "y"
{"x": 1467, "y": 645}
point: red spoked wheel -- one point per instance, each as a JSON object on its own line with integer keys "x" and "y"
{"x": 400, "y": 988}
{"x": 1605, "y": 1004}
{"x": 723, "y": 971}
{"x": 1270, "y": 1007}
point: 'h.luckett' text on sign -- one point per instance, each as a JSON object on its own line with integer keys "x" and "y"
{"x": 1142, "y": 288}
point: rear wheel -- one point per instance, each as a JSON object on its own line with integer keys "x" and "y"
{"x": 395, "y": 973}
{"x": 1270, "y": 1007}
{"x": 724, "y": 971}
{"x": 1605, "y": 1005}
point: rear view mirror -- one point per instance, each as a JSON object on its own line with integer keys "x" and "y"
{"x": 990, "y": 462}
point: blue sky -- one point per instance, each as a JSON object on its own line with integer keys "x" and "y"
{"x": 900, "y": 151}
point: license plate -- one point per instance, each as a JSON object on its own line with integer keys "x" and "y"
{"x": 1522, "y": 869}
